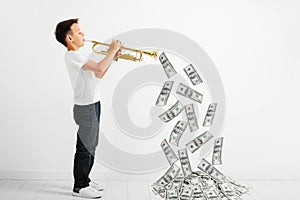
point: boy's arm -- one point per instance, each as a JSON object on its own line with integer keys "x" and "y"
{"x": 101, "y": 67}
{"x": 98, "y": 74}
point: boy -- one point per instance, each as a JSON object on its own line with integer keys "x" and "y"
{"x": 84, "y": 75}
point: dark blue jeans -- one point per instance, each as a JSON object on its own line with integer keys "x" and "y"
{"x": 87, "y": 117}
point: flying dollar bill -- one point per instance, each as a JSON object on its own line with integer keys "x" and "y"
{"x": 217, "y": 154}
{"x": 177, "y": 132}
{"x": 169, "y": 153}
{"x": 210, "y": 114}
{"x": 188, "y": 92}
{"x": 160, "y": 186}
{"x": 205, "y": 166}
{"x": 192, "y": 120}
{"x": 164, "y": 94}
{"x": 168, "y": 67}
{"x": 185, "y": 163}
{"x": 192, "y": 74}
{"x": 199, "y": 141}
{"x": 172, "y": 112}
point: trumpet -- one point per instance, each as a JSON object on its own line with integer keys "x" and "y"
{"x": 137, "y": 57}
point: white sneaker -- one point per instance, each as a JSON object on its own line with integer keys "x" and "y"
{"x": 96, "y": 186}
{"x": 88, "y": 192}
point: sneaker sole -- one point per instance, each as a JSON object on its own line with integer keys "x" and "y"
{"x": 88, "y": 197}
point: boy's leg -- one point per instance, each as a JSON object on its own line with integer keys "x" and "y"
{"x": 87, "y": 140}
{"x": 98, "y": 112}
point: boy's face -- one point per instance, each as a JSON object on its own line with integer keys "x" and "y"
{"x": 77, "y": 38}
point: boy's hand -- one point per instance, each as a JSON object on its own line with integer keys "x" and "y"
{"x": 115, "y": 47}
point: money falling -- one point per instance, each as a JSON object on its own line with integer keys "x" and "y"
{"x": 210, "y": 114}
{"x": 192, "y": 74}
{"x": 199, "y": 141}
{"x": 164, "y": 94}
{"x": 180, "y": 182}
{"x": 172, "y": 112}
{"x": 169, "y": 153}
{"x": 216, "y": 159}
{"x": 188, "y": 92}
{"x": 184, "y": 161}
{"x": 177, "y": 132}
{"x": 192, "y": 120}
{"x": 168, "y": 67}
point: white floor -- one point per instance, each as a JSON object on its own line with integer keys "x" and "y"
{"x": 134, "y": 190}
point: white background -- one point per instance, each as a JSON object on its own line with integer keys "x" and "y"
{"x": 255, "y": 46}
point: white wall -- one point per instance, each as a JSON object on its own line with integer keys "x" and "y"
{"x": 255, "y": 46}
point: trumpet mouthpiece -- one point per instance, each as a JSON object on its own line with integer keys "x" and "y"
{"x": 87, "y": 40}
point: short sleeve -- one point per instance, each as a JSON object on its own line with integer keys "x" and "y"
{"x": 77, "y": 60}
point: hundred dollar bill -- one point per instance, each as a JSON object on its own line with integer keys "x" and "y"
{"x": 192, "y": 74}
{"x": 197, "y": 193}
{"x": 164, "y": 94}
{"x": 172, "y": 194}
{"x": 210, "y": 114}
{"x": 186, "y": 193}
{"x": 158, "y": 189}
{"x": 226, "y": 189}
{"x": 168, "y": 67}
{"x": 211, "y": 170}
{"x": 185, "y": 163}
{"x": 237, "y": 187}
{"x": 172, "y": 112}
{"x": 177, "y": 132}
{"x": 188, "y": 92}
{"x": 160, "y": 186}
{"x": 176, "y": 184}
{"x": 217, "y": 154}
{"x": 198, "y": 142}
{"x": 211, "y": 193}
{"x": 192, "y": 120}
{"x": 169, "y": 153}
{"x": 168, "y": 176}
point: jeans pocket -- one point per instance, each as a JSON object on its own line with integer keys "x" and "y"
{"x": 83, "y": 115}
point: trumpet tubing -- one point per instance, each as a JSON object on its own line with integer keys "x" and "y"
{"x": 137, "y": 57}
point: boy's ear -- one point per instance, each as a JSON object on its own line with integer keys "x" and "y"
{"x": 69, "y": 38}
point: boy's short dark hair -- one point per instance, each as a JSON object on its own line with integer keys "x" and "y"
{"x": 63, "y": 28}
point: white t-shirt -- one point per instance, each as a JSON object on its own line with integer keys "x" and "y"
{"x": 84, "y": 83}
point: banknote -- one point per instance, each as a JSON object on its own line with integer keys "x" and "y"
{"x": 192, "y": 74}
{"x": 168, "y": 67}
{"x": 186, "y": 193}
{"x": 205, "y": 166}
{"x": 198, "y": 193}
{"x": 185, "y": 163}
{"x": 164, "y": 94}
{"x": 217, "y": 154}
{"x": 226, "y": 188}
{"x": 199, "y": 141}
{"x": 211, "y": 193}
{"x": 169, "y": 153}
{"x": 172, "y": 194}
{"x": 177, "y": 132}
{"x": 168, "y": 176}
{"x": 172, "y": 112}
{"x": 210, "y": 114}
{"x": 191, "y": 116}
{"x": 188, "y": 92}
